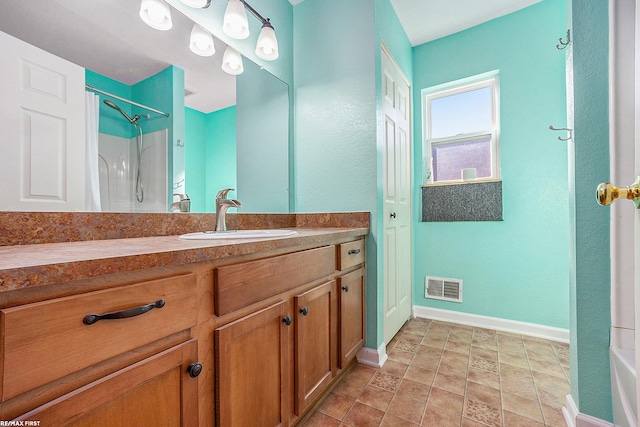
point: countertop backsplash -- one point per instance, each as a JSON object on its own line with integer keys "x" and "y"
{"x": 27, "y": 228}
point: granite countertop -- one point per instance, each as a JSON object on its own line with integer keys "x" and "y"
{"x": 25, "y": 266}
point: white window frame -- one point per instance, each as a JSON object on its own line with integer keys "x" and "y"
{"x": 454, "y": 88}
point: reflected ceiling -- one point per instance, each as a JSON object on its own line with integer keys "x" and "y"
{"x": 130, "y": 50}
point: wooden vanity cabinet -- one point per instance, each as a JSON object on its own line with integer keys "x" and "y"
{"x": 352, "y": 305}
{"x": 273, "y": 363}
{"x": 315, "y": 343}
{"x": 351, "y": 300}
{"x": 269, "y": 335}
{"x": 136, "y": 364}
{"x": 253, "y": 369}
{"x": 157, "y": 391}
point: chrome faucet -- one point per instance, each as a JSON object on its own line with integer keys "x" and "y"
{"x": 184, "y": 205}
{"x": 222, "y": 204}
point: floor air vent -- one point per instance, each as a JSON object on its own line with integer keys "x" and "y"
{"x": 444, "y": 289}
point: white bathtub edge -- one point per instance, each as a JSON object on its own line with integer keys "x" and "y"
{"x": 623, "y": 380}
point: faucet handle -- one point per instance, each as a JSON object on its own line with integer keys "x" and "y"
{"x": 182, "y": 196}
{"x": 222, "y": 194}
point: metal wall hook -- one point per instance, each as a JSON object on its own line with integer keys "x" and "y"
{"x": 569, "y": 133}
{"x": 564, "y": 44}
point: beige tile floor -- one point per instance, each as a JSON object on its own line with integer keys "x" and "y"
{"x": 443, "y": 374}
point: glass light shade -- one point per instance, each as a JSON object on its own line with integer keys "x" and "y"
{"x": 156, "y": 14}
{"x": 197, "y": 3}
{"x": 267, "y": 46}
{"x": 232, "y": 61}
{"x": 235, "y": 22}
{"x": 201, "y": 41}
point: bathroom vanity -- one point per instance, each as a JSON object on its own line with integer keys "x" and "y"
{"x": 164, "y": 332}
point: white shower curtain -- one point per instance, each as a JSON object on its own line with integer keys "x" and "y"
{"x": 92, "y": 172}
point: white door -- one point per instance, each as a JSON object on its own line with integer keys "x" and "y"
{"x": 396, "y": 103}
{"x": 625, "y": 246}
{"x": 42, "y": 130}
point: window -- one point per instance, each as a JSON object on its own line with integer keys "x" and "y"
{"x": 461, "y": 130}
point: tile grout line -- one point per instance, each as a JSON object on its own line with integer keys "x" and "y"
{"x": 442, "y": 335}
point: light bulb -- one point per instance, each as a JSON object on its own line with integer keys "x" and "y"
{"x": 156, "y": 14}
{"x": 267, "y": 45}
{"x": 201, "y": 41}
{"x": 235, "y": 22}
{"x": 232, "y": 61}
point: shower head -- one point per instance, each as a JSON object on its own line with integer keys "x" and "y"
{"x": 131, "y": 120}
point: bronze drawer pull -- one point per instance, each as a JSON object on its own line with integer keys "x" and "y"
{"x": 90, "y": 319}
{"x": 354, "y": 252}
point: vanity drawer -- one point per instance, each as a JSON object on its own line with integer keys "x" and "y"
{"x": 46, "y": 341}
{"x": 350, "y": 254}
{"x": 240, "y": 285}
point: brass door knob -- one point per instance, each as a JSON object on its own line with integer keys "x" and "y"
{"x": 607, "y": 193}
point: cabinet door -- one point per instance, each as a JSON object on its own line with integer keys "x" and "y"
{"x": 352, "y": 303}
{"x": 157, "y": 391}
{"x": 252, "y": 369}
{"x": 315, "y": 342}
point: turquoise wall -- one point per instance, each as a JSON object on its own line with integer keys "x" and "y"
{"x": 590, "y": 283}
{"x": 389, "y": 32}
{"x": 151, "y": 92}
{"x": 164, "y": 92}
{"x": 221, "y": 154}
{"x": 195, "y": 147}
{"x": 111, "y": 121}
{"x": 516, "y": 269}
{"x": 335, "y": 110}
{"x": 210, "y": 152}
{"x": 262, "y": 106}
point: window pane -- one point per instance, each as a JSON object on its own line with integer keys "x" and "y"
{"x": 450, "y": 159}
{"x": 463, "y": 113}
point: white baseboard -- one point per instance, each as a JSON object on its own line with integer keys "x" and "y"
{"x": 573, "y": 418}
{"x": 514, "y": 326}
{"x": 370, "y": 357}
{"x": 570, "y": 412}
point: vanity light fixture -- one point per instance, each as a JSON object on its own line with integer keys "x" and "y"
{"x": 197, "y": 3}
{"x": 267, "y": 46}
{"x": 235, "y": 23}
{"x": 236, "y": 26}
{"x": 201, "y": 41}
{"x": 156, "y": 14}
{"x": 232, "y": 61}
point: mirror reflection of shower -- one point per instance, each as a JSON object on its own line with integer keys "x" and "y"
{"x": 134, "y": 121}
{"x": 133, "y": 154}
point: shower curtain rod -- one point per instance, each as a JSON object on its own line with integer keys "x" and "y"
{"x": 126, "y": 100}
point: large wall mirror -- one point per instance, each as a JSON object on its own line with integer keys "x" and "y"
{"x": 203, "y": 130}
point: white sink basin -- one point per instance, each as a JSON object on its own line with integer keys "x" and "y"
{"x": 238, "y": 234}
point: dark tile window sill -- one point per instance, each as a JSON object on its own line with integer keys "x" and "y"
{"x": 462, "y": 201}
